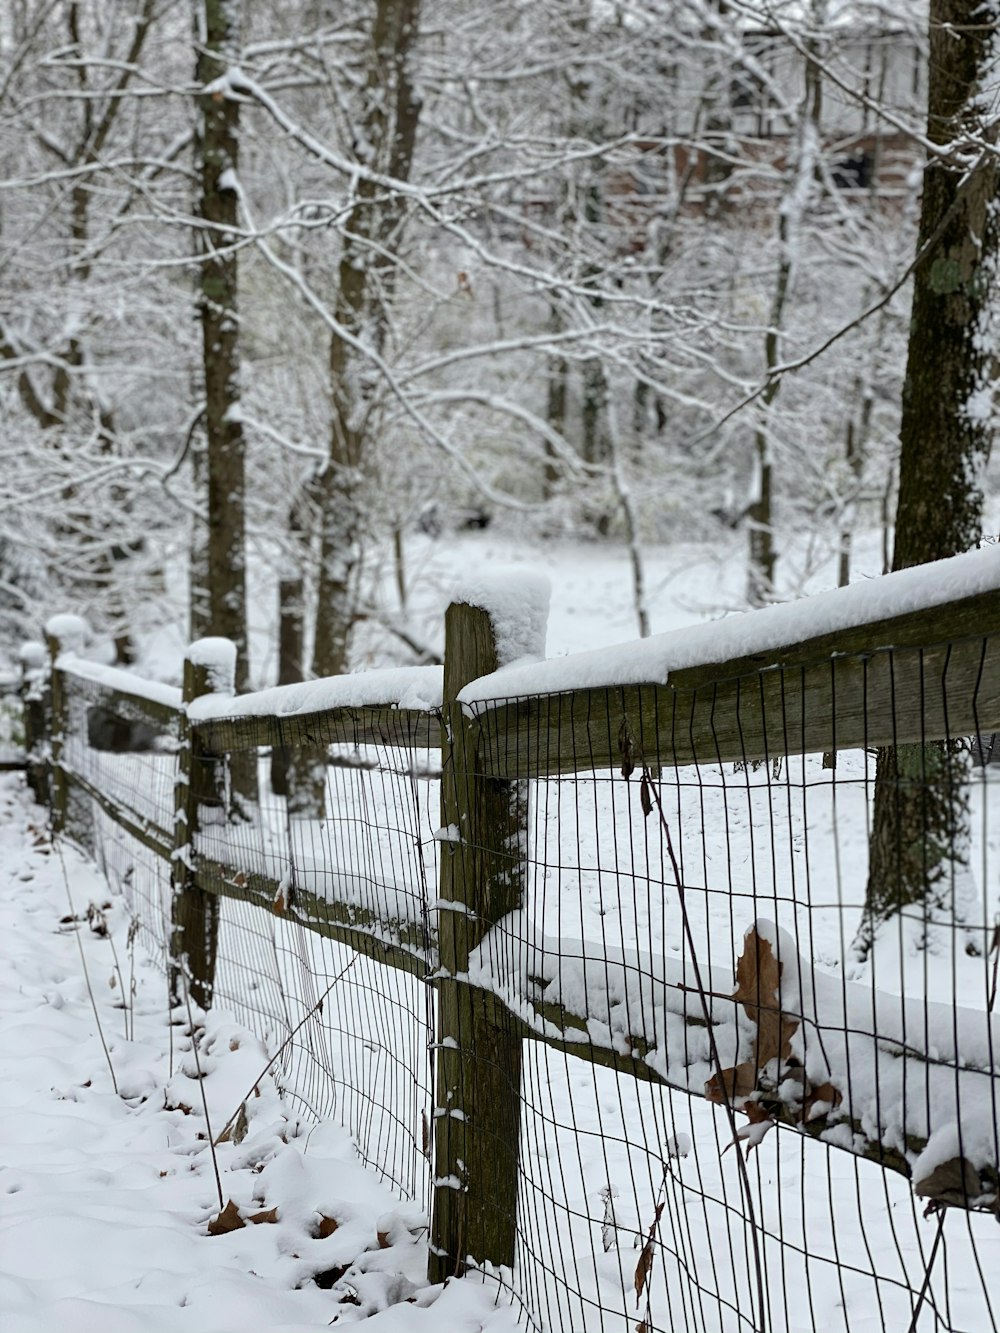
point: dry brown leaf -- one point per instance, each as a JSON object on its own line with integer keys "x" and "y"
{"x": 237, "y": 1129}
{"x": 645, "y": 1264}
{"x": 241, "y": 1126}
{"x": 645, "y": 797}
{"x": 642, "y": 1270}
{"x": 327, "y": 1226}
{"x": 383, "y": 1240}
{"x": 731, "y": 1084}
{"x": 271, "y": 1215}
{"x": 228, "y": 1220}
{"x": 758, "y": 989}
{"x": 954, "y": 1182}
{"x": 239, "y": 880}
{"x": 813, "y": 1108}
{"x": 278, "y": 905}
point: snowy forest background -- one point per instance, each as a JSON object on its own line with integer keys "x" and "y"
{"x": 287, "y": 286}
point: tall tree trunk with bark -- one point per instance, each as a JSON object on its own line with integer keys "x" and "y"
{"x": 386, "y": 138}
{"x": 217, "y": 37}
{"x": 918, "y": 850}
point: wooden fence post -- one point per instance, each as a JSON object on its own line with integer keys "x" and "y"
{"x": 209, "y": 668}
{"x": 34, "y": 684}
{"x": 63, "y": 634}
{"x": 477, "y": 1111}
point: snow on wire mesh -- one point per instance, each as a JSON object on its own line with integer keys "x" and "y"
{"x": 726, "y": 1093}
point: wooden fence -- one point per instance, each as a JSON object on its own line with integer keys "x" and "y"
{"x": 927, "y": 673}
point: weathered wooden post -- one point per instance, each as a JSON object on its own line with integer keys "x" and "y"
{"x": 483, "y": 850}
{"x": 34, "y": 684}
{"x": 199, "y": 791}
{"x": 63, "y": 634}
{"x": 291, "y": 617}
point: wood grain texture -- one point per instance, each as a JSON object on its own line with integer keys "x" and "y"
{"x": 705, "y": 716}
{"x": 402, "y": 727}
{"x": 478, "y": 1097}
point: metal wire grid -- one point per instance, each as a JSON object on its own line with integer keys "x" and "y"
{"x": 353, "y": 1033}
{"x": 143, "y": 879}
{"x": 807, "y": 1236}
{"x": 804, "y": 1236}
{"x": 141, "y": 781}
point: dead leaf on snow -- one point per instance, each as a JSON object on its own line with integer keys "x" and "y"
{"x": 327, "y": 1226}
{"x": 228, "y": 1220}
{"x": 237, "y": 1129}
{"x": 822, "y": 1098}
{"x": 271, "y": 1215}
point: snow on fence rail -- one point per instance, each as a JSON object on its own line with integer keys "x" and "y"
{"x": 543, "y": 765}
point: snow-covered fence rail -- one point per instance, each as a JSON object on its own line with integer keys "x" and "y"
{"x": 582, "y": 879}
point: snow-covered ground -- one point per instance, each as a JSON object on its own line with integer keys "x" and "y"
{"x": 106, "y": 1171}
{"x": 841, "y": 1244}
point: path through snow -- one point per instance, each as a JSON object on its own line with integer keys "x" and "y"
{"x": 107, "y": 1195}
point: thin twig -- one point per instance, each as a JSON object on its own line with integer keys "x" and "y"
{"x": 294, "y": 1032}
{"x": 86, "y": 970}
{"x": 201, "y": 1087}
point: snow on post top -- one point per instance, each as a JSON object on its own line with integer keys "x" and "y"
{"x": 518, "y": 607}
{"x": 32, "y": 655}
{"x": 69, "y": 631}
{"x": 650, "y": 661}
{"x": 218, "y": 657}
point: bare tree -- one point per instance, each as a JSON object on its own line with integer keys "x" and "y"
{"x": 385, "y": 140}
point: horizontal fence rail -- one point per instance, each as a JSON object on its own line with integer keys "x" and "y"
{"x": 474, "y": 885}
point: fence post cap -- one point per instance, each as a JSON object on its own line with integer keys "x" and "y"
{"x": 66, "y": 632}
{"x": 217, "y": 659}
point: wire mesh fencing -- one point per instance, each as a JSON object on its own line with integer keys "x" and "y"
{"x": 313, "y": 905}
{"x": 739, "y": 1075}
{"x": 675, "y": 1005}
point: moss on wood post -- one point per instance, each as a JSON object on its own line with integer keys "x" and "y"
{"x": 63, "y": 634}
{"x": 477, "y": 1112}
{"x": 199, "y": 789}
{"x": 34, "y": 687}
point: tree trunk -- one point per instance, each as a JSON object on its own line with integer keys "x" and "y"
{"x": 218, "y": 207}
{"x": 763, "y": 557}
{"x": 555, "y": 407}
{"x": 388, "y": 131}
{"x": 218, "y": 141}
{"x": 919, "y": 838}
